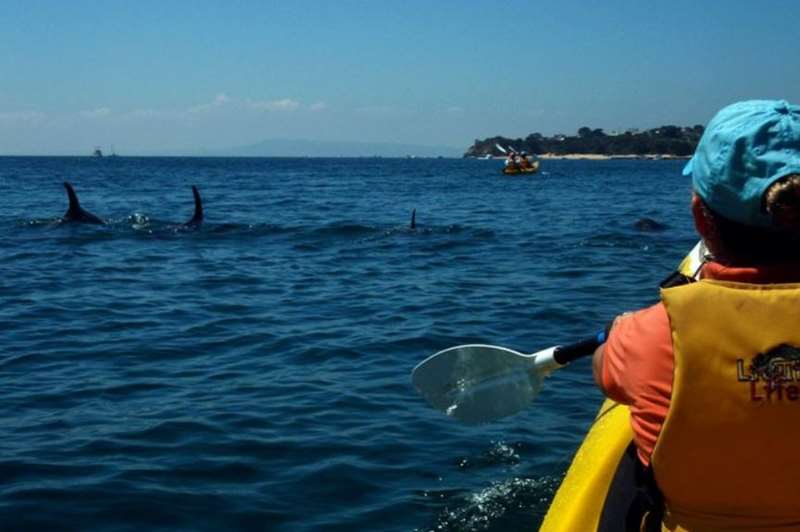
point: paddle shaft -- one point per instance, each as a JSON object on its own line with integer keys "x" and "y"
{"x": 564, "y": 354}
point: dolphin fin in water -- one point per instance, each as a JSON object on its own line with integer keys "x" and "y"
{"x": 648, "y": 225}
{"x": 414, "y": 219}
{"x": 197, "y": 219}
{"x": 75, "y": 212}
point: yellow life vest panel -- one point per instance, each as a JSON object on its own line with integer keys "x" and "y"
{"x": 727, "y": 456}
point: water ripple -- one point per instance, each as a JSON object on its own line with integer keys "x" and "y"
{"x": 254, "y": 374}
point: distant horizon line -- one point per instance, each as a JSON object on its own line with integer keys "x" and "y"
{"x": 272, "y": 147}
{"x": 201, "y": 156}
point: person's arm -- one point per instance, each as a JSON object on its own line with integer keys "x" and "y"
{"x": 599, "y": 353}
{"x": 597, "y": 366}
{"x": 610, "y": 384}
{"x": 637, "y": 351}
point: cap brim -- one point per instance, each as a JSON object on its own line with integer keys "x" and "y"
{"x": 687, "y": 170}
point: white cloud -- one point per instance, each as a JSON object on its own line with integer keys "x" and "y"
{"x": 534, "y": 112}
{"x": 100, "y": 112}
{"x": 152, "y": 114}
{"x": 286, "y": 104}
{"x": 143, "y": 113}
{"x": 219, "y": 100}
{"x": 22, "y": 117}
{"x": 382, "y": 111}
{"x": 319, "y": 106}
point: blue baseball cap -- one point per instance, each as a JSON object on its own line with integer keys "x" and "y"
{"x": 746, "y": 147}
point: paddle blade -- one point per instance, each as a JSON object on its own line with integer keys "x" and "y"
{"x": 478, "y": 383}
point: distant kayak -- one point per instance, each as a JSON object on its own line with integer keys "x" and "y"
{"x": 516, "y": 171}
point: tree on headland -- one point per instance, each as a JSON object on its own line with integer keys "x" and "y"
{"x": 664, "y": 140}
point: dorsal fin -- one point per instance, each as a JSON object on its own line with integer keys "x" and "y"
{"x": 74, "y": 212}
{"x": 197, "y": 219}
{"x": 414, "y": 219}
{"x": 74, "y": 205}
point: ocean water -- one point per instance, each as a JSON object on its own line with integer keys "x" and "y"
{"x": 255, "y": 374}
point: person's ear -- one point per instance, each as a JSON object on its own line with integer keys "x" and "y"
{"x": 701, "y": 222}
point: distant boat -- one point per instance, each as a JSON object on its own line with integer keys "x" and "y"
{"x": 113, "y": 153}
{"x": 97, "y": 153}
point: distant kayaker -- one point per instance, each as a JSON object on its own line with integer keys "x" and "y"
{"x": 524, "y": 162}
{"x": 712, "y": 372}
{"x": 511, "y": 160}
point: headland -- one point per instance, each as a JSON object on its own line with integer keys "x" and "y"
{"x": 665, "y": 142}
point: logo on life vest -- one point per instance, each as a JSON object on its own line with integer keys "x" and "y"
{"x": 774, "y": 375}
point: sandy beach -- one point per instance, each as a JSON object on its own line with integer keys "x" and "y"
{"x": 602, "y": 157}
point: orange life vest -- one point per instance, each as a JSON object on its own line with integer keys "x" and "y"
{"x": 727, "y": 456}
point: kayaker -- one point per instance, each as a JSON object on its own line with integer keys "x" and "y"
{"x": 511, "y": 161}
{"x": 712, "y": 372}
{"x": 524, "y": 162}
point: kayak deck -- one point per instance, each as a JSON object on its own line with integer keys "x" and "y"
{"x": 579, "y": 501}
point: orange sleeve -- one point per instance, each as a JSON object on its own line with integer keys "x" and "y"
{"x": 632, "y": 352}
{"x": 637, "y": 370}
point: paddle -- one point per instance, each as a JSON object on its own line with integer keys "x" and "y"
{"x": 503, "y": 150}
{"x": 478, "y": 383}
{"x": 482, "y": 383}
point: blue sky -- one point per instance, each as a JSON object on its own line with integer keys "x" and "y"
{"x": 158, "y": 77}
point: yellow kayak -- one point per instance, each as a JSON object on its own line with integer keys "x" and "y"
{"x": 580, "y": 498}
{"x": 579, "y": 501}
{"x": 519, "y": 171}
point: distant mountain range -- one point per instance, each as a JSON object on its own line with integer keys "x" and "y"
{"x": 314, "y": 148}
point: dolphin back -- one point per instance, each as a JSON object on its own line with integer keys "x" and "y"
{"x": 649, "y": 225}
